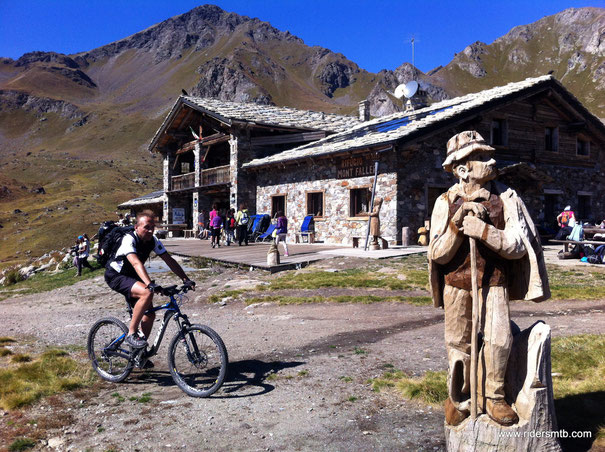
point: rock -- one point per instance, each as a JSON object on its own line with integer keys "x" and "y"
{"x": 26, "y": 272}
{"x": 529, "y": 382}
{"x": 56, "y": 443}
{"x": 17, "y": 211}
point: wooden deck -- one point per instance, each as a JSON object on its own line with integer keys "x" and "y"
{"x": 254, "y": 255}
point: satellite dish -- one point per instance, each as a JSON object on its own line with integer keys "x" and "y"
{"x": 410, "y": 88}
{"x": 399, "y": 91}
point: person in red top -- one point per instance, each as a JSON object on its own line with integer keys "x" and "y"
{"x": 566, "y": 221}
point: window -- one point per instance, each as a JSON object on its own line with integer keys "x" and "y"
{"x": 278, "y": 203}
{"x": 360, "y": 201}
{"x": 582, "y": 146}
{"x": 432, "y": 194}
{"x": 583, "y": 212}
{"x": 498, "y": 132}
{"x": 315, "y": 204}
{"x": 550, "y": 210}
{"x": 551, "y": 139}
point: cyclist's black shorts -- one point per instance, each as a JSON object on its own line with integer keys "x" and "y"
{"x": 121, "y": 283}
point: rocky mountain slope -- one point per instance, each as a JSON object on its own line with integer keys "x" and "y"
{"x": 571, "y": 44}
{"x": 78, "y": 125}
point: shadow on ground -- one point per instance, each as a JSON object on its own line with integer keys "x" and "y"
{"x": 579, "y": 413}
{"x": 245, "y": 378}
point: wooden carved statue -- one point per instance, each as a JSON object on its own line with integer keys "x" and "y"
{"x": 484, "y": 251}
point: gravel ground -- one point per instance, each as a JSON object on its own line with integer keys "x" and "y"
{"x": 305, "y": 404}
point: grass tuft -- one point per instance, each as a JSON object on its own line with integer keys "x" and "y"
{"x": 52, "y": 372}
{"x": 21, "y": 358}
{"x": 20, "y": 444}
{"x": 430, "y": 388}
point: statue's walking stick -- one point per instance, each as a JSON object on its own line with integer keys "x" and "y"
{"x": 475, "y": 327}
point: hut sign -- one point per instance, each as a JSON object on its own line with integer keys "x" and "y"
{"x": 355, "y": 167}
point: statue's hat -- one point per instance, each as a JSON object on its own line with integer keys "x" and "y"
{"x": 462, "y": 145}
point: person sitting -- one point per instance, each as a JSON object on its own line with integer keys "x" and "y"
{"x": 566, "y": 221}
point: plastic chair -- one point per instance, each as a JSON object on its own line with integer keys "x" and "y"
{"x": 307, "y": 228}
{"x": 267, "y": 234}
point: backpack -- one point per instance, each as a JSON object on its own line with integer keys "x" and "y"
{"x": 106, "y": 226}
{"x": 577, "y": 233}
{"x": 245, "y": 218}
{"x": 597, "y": 257}
{"x": 111, "y": 243}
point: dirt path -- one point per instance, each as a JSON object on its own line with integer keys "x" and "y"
{"x": 297, "y": 378}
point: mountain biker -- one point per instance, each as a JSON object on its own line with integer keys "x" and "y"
{"x": 126, "y": 274}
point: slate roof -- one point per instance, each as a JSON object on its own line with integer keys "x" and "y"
{"x": 269, "y": 115}
{"x": 149, "y": 198}
{"x": 388, "y": 129}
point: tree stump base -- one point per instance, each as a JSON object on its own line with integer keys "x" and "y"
{"x": 529, "y": 383}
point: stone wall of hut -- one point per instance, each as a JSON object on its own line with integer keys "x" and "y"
{"x": 336, "y": 226}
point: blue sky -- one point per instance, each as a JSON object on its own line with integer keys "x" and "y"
{"x": 374, "y": 34}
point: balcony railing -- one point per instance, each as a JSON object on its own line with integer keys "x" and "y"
{"x": 183, "y": 181}
{"x": 212, "y": 176}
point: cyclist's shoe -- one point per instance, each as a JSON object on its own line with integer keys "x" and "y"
{"x": 135, "y": 342}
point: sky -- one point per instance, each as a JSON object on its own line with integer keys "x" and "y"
{"x": 375, "y": 34}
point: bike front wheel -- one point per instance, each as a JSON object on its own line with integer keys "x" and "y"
{"x": 109, "y": 355}
{"x": 197, "y": 359}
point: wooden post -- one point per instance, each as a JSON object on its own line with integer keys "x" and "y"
{"x": 405, "y": 236}
{"x": 365, "y": 248}
{"x": 475, "y": 327}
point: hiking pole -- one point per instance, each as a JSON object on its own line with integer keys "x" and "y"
{"x": 365, "y": 248}
{"x": 475, "y": 327}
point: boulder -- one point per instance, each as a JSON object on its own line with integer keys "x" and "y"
{"x": 529, "y": 382}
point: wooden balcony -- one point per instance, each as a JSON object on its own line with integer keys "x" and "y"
{"x": 183, "y": 181}
{"x": 212, "y": 176}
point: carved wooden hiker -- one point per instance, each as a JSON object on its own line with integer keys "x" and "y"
{"x": 480, "y": 213}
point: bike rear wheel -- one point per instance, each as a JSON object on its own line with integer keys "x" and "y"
{"x": 109, "y": 355}
{"x": 197, "y": 359}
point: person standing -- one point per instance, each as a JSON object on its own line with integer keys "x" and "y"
{"x": 510, "y": 265}
{"x": 230, "y": 227}
{"x": 281, "y": 231}
{"x": 241, "y": 220}
{"x": 216, "y": 224}
{"x": 201, "y": 224}
{"x": 83, "y": 252}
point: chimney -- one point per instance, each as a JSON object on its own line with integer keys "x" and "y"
{"x": 364, "y": 110}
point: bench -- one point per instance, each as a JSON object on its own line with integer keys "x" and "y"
{"x": 172, "y": 227}
{"x": 298, "y": 238}
{"x": 384, "y": 244}
{"x": 566, "y": 243}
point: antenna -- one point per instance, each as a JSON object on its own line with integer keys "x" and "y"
{"x": 412, "y": 40}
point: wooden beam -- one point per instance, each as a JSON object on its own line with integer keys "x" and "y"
{"x": 215, "y": 139}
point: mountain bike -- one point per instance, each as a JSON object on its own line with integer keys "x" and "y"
{"x": 197, "y": 357}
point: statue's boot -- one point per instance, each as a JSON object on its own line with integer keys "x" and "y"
{"x": 501, "y": 412}
{"x": 454, "y": 416}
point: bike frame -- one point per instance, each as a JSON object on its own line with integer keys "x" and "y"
{"x": 172, "y": 310}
